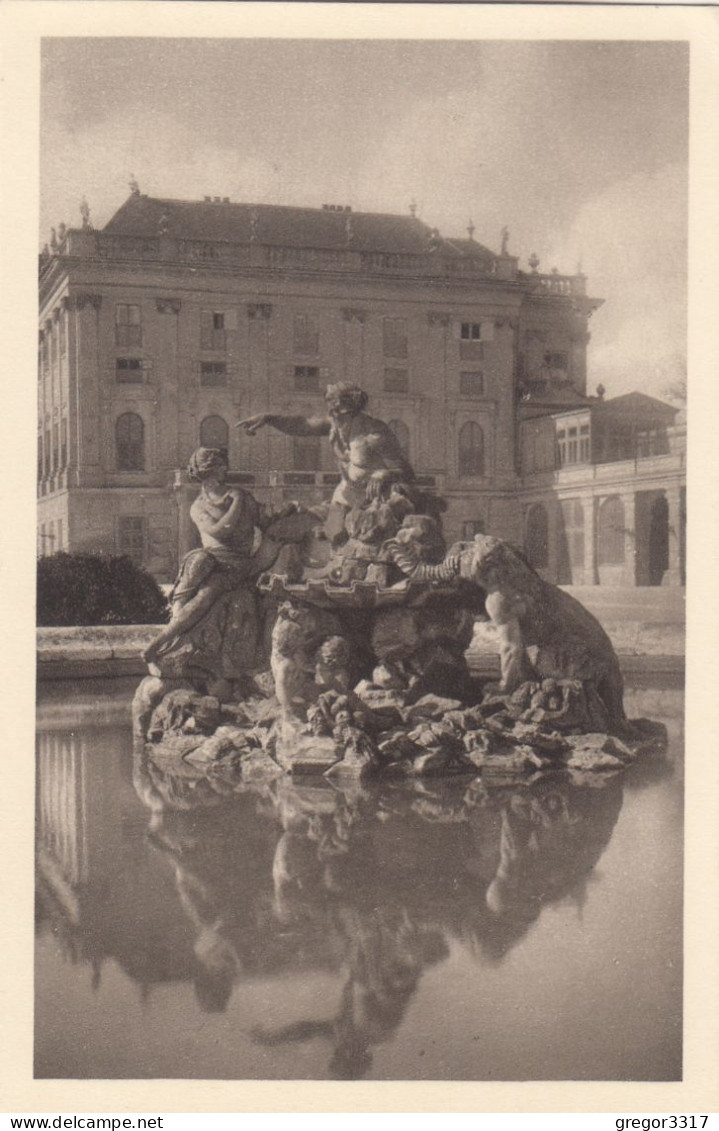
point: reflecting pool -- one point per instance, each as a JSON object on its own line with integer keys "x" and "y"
{"x": 192, "y": 927}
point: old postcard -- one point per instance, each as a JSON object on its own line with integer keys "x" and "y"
{"x": 366, "y": 359}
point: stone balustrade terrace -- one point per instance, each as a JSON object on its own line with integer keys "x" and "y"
{"x": 555, "y": 284}
{"x": 89, "y": 244}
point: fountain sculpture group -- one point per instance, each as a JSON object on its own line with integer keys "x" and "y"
{"x": 356, "y": 666}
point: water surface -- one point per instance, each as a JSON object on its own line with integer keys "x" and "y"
{"x": 190, "y": 927}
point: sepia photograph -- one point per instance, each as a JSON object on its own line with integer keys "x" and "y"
{"x": 361, "y": 559}
{"x": 361, "y": 556}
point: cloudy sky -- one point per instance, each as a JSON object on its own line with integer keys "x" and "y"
{"x": 579, "y": 148}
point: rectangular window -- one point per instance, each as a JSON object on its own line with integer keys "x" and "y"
{"x": 55, "y": 448}
{"x": 396, "y": 381}
{"x": 572, "y": 446}
{"x": 306, "y": 338}
{"x": 213, "y": 373}
{"x": 213, "y": 335}
{"x": 470, "y": 331}
{"x": 129, "y": 370}
{"x": 128, "y": 328}
{"x": 394, "y": 337}
{"x": 584, "y": 445}
{"x": 561, "y": 447}
{"x": 471, "y": 383}
{"x": 472, "y": 527}
{"x": 131, "y": 537}
{"x": 307, "y": 378}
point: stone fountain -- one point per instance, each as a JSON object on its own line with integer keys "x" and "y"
{"x": 357, "y": 668}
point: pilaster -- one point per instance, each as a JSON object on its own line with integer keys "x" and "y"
{"x": 672, "y": 575}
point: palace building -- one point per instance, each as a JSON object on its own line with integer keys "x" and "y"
{"x": 160, "y": 331}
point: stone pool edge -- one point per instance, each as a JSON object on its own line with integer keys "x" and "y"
{"x": 109, "y": 651}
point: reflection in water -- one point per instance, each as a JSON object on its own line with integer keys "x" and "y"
{"x": 373, "y": 884}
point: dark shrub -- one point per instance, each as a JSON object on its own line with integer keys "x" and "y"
{"x": 86, "y": 589}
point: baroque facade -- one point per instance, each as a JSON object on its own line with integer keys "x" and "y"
{"x": 177, "y": 319}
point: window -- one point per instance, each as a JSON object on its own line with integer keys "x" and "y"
{"x": 128, "y": 328}
{"x": 472, "y": 527}
{"x": 396, "y": 381}
{"x": 307, "y": 378}
{"x": 401, "y": 431}
{"x": 128, "y": 370}
{"x": 610, "y": 532}
{"x": 654, "y": 442}
{"x": 214, "y": 433}
{"x": 306, "y": 340}
{"x": 213, "y": 373}
{"x": 557, "y": 361}
{"x": 55, "y": 448}
{"x": 536, "y": 536}
{"x": 561, "y": 447}
{"x": 306, "y": 453}
{"x": 47, "y": 450}
{"x": 131, "y": 537}
{"x": 471, "y": 449}
{"x": 130, "y": 442}
{"x": 471, "y": 384}
{"x": 572, "y": 446}
{"x": 213, "y": 335}
{"x": 394, "y": 337}
{"x": 470, "y": 341}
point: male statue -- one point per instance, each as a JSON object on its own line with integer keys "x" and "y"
{"x": 368, "y": 453}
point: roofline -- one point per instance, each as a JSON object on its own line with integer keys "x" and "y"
{"x": 279, "y": 207}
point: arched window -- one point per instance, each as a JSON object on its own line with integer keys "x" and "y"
{"x": 610, "y": 532}
{"x": 401, "y": 431}
{"x": 306, "y": 453}
{"x": 214, "y": 433}
{"x": 471, "y": 449}
{"x": 536, "y": 536}
{"x": 130, "y": 442}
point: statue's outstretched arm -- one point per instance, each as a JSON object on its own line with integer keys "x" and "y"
{"x": 290, "y": 425}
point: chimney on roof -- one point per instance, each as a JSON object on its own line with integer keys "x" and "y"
{"x": 225, "y": 200}
{"x": 208, "y": 200}
{"x": 218, "y": 200}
